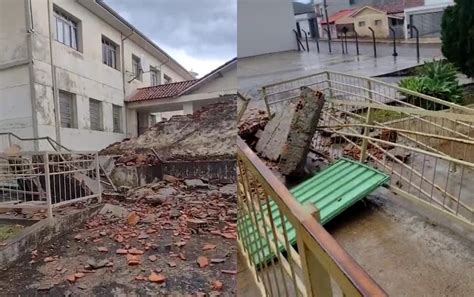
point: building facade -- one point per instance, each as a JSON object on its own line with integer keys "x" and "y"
{"x": 67, "y": 67}
{"x": 265, "y": 27}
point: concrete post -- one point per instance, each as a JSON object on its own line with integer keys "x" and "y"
{"x": 97, "y": 173}
{"x": 47, "y": 176}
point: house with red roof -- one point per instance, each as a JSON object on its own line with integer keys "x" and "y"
{"x": 338, "y": 18}
{"x": 151, "y": 104}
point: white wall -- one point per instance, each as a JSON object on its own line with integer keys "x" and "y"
{"x": 15, "y": 100}
{"x": 80, "y": 72}
{"x": 264, "y": 26}
{"x": 434, "y": 2}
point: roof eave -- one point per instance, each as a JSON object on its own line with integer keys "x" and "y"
{"x": 106, "y": 13}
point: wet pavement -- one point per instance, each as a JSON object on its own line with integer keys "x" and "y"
{"x": 254, "y": 72}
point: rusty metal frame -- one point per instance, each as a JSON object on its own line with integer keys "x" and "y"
{"x": 321, "y": 257}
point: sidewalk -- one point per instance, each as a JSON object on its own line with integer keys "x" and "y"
{"x": 426, "y": 40}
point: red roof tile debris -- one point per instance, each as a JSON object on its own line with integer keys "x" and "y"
{"x": 161, "y": 91}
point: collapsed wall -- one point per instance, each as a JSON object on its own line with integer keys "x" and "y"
{"x": 208, "y": 134}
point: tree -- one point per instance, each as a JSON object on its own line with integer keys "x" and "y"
{"x": 457, "y": 35}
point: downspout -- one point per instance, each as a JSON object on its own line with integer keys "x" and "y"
{"x": 57, "y": 119}
{"x": 122, "y": 58}
{"x": 29, "y": 26}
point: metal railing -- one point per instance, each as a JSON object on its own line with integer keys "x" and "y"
{"x": 281, "y": 267}
{"x": 7, "y": 139}
{"x": 426, "y": 144}
{"x": 45, "y": 180}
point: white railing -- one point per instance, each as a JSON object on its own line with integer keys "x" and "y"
{"x": 48, "y": 179}
{"x": 380, "y": 123}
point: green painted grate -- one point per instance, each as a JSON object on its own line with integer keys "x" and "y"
{"x": 332, "y": 191}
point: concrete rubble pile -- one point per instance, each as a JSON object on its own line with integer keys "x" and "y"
{"x": 252, "y": 124}
{"x": 287, "y": 136}
{"x": 173, "y": 237}
{"x": 208, "y": 134}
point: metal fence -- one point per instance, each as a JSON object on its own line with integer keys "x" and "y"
{"x": 424, "y": 143}
{"x": 45, "y": 180}
{"x": 8, "y": 139}
{"x": 307, "y": 267}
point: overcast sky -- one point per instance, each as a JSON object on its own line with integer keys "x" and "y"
{"x": 200, "y": 34}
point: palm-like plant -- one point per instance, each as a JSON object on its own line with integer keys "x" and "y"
{"x": 438, "y": 79}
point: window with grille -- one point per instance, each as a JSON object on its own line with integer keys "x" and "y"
{"x": 155, "y": 77}
{"x": 66, "y": 29}
{"x": 109, "y": 52}
{"x": 136, "y": 67}
{"x": 117, "y": 118}
{"x": 167, "y": 79}
{"x": 67, "y": 109}
{"x": 95, "y": 112}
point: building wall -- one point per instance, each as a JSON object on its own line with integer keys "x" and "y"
{"x": 265, "y": 27}
{"x": 15, "y": 103}
{"x": 80, "y": 72}
{"x": 369, "y": 17}
{"x": 225, "y": 83}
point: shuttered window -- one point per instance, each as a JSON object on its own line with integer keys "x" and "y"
{"x": 95, "y": 110}
{"x": 67, "y": 108}
{"x": 117, "y": 118}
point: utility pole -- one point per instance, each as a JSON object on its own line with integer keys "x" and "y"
{"x": 327, "y": 25}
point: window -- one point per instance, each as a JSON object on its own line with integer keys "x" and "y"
{"x": 109, "y": 52}
{"x": 136, "y": 67}
{"x": 362, "y": 24}
{"x": 117, "y": 118}
{"x": 155, "y": 76}
{"x": 167, "y": 79}
{"x": 95, "y": 112}
{"x": 67, "y": 108}
{"x": 66, "y": 29}
{"x": 378, "y": 22}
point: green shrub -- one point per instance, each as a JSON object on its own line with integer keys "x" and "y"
{"x": 457, "y": 35}
{"x": 437, "y": 79}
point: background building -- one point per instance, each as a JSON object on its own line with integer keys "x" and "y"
{"x": 264, "y": 27}
{"x": 66, "y": 68}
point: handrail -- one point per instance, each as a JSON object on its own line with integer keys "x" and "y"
{"x": 298, "y": 41}
{"x": 350, "y": 276}
{"x": 47, "y": 138}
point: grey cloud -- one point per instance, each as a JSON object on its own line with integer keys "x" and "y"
{"x": 203, "y": 28}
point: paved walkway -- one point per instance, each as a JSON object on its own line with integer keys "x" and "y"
{"x": 255, "y": 72}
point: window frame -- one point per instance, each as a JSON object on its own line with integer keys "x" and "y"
{"x": 167, "y": 79}
{"x": 119, "y": 110}
{"x": 108, "y": 46}
{"x": 65, "y": 20}
{"x": 377, "y": 22}
{"x": 136, "y": 67}
{"x": 361, "y": 23}
{"x": 155, "y": 76}
{"x": 100, "y": 124}
{"x": 73, "y": 109}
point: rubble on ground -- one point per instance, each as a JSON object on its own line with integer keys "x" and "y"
{"x": 184, "y": 246}
{"x": 208, "y": 134}
{"x": 252, "y": 124}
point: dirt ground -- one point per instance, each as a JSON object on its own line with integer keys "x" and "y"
{"x": 184, "y": 246}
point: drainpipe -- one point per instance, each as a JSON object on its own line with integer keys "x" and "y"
{"x": 124, "y": 89}
{"x": 57, "y": 119}
{"x": 29, "y": 26}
